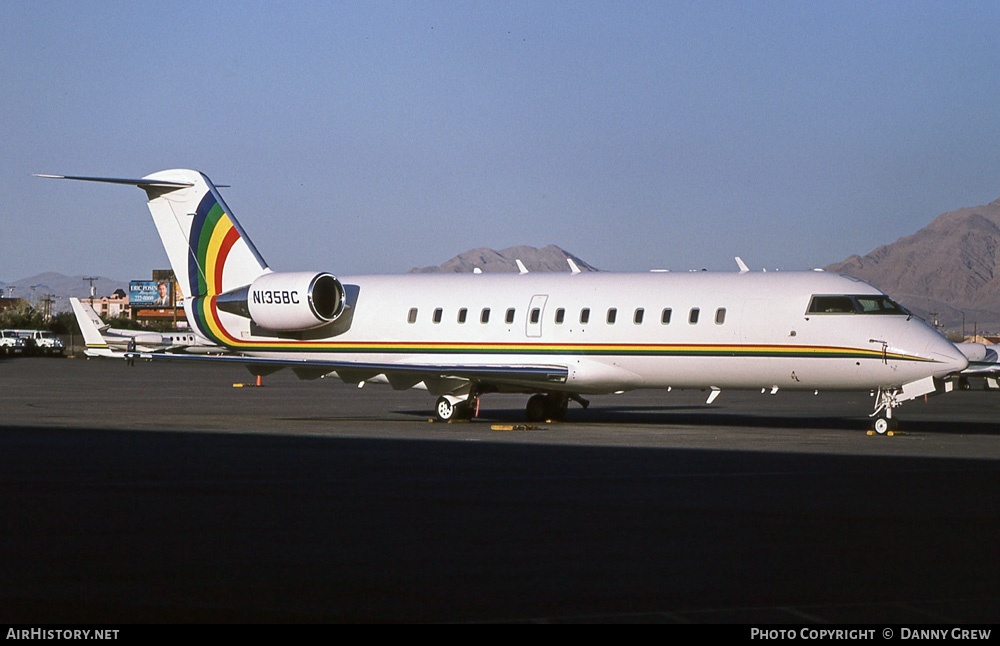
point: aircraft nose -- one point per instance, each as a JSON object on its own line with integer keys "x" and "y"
{"x": 951, "y": 358}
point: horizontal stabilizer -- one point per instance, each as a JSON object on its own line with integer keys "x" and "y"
{"x": 141, "y": 183}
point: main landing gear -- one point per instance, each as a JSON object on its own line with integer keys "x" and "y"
{"x": 542, "y": 406}
{"x": 551, "y": 406}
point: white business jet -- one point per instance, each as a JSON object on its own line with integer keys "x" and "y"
{"x": 984, "y": 361}
{"x": 556, "y": 337}
{"x": 103, "y": 340}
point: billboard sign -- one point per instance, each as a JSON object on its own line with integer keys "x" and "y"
{"x": 149, "y": 293}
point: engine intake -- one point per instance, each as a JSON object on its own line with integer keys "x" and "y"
{"x": 288, "y": 301}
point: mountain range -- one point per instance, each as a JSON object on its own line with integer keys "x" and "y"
{"x": 948, "y": 271}
{"x": 550, "y": 258}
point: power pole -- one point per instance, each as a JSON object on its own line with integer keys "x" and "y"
{"x": 93, "y": 290}
{"x": 47, "y": 301}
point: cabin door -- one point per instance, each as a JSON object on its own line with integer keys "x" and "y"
{"x": 756, "y": 322}
{"x": 536, "y": 309}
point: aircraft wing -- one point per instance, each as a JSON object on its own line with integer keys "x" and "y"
{"x": 400, "y": 375}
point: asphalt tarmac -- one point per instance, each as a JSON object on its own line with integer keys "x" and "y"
{"x": 162, "y": 493}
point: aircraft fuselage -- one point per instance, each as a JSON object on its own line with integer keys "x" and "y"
{"x": 619, "y": 332}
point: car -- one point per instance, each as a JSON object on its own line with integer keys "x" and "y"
{"x": 12, "y": 343}
{"x": 41, "y": 342}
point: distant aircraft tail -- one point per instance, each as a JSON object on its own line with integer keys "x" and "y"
{"x": 86, "y": 312}
{"x": 88, "y": 320}
{"x": 207, "y": 248}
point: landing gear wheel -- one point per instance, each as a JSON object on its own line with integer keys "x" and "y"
{"x": 536, "y": 408}
{"x": 542, "y": 407}
{"x": 445, "y": 410}
{"x": 883, "y": 425}
{"x": 557, "y": 406}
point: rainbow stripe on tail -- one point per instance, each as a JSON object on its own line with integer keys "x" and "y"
{"x": 207, "y": 248}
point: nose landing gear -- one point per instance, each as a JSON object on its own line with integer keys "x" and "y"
{"x": 885, "y": 401}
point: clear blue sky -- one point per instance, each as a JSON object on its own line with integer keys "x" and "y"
{"x": 372, "y": 137}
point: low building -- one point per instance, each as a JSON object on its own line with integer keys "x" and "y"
{"x": 109, "y": 307}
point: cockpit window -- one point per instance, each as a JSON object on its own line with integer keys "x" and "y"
{"x": 855, "y": 304}
{"x": 879, "y": 305}
{"x": 831, "y": 305}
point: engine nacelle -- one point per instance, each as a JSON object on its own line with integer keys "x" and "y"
{"x": 973, "y": 351}
{"x": 295, "y": 300}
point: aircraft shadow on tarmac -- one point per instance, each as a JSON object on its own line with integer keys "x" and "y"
{"x": 699, "y": 416}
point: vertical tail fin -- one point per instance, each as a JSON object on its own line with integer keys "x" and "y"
{"x": 89, "y": 323}
{"x": 208, "y": 249}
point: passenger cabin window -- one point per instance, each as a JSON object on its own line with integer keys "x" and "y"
{"x": 665, "y": 316}
{"x": 693, "y": 316}
{"x": 412, "y": 316}
{"x": 437, "y": 315}
{"x": 612, "y": 316}
{"x": 510, "y": 315}
{"x": 462, "y": 315}
{"x": 585, "y": 315}
{"x": 536, "y": 313}
{"x": 485, "y": 316}
{"x": 637, "y": 317}
{"x": 855, "y": 304}
{"x": 720, "y": 316}
{"x": 560, "y": 316}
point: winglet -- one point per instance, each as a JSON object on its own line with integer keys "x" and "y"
{"x": 572, "y": 266}
{"x": 742, "y": 265}
{"x": 521, "y": 269}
